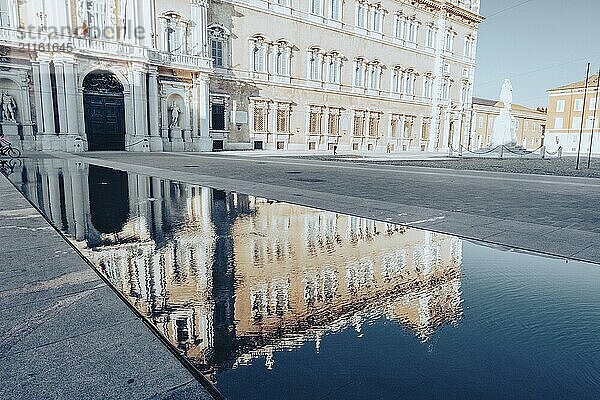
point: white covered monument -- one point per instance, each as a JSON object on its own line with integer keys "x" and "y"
{"x": 505, "y": 132}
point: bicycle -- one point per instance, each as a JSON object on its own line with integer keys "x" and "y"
{"x": 7, "y": 150}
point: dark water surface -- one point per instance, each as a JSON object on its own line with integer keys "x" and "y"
{"x": 277, "y": 301}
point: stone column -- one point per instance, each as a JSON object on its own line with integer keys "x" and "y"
{"x": 139, "y": 107}
{"x": 446, "y": 130}
{"x": 199, "y": 28}
{"x": 47, "y": 103}
{"x": 202, "y": 107}
{"x": 71, "y": 95}
{"x": 59, "y": 73}
{"x": 196, "y": 104}
{"x": 156, "y": 143}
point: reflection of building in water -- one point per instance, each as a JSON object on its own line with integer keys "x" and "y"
{"x": 227, "y": 278}
{"x": 303, "y": 273}
{"x": 153, "y": 239}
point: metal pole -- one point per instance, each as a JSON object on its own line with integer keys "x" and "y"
{"x": 470, "y": 129}
{"x": 587, "y": 78}
{"x": 594, "y": 120}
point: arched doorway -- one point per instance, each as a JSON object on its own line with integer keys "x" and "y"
{"x": 104, "y": 109}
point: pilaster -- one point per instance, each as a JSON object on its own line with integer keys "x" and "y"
{"x": 199, "y": 28}
{"x": 156, "y": 143}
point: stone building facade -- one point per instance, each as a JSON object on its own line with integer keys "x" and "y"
{"x": 194, "y": 75}
{"x": 567, "y": 114}
{"x": 106, "y": 74}
{"x": 362, "y": 75}
{"x": 530, "y": 124}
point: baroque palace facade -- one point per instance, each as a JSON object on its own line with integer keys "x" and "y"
{"x": 192, "y": 75}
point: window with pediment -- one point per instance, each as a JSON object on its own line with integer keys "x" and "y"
{"x": 8, "y": 16}
{"x": 175, "y": 31}
{"x": 219, "y": 45}
{"x": 259, "y": 49}
{"x": 97, "y": 16}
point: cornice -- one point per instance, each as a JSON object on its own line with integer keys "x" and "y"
{"x": 452, "y": 9}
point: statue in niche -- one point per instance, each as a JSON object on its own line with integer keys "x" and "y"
{"x": 175, "y": 111}
{"x": 9, "y": 107}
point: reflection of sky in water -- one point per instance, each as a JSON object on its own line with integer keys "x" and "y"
{"x": 280, "y": 301}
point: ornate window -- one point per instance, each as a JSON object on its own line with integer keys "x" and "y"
{"x": 97, "y": 15}
{"x": 360, "y": 71}
{"x": 315, "y": 64}
{"x": 397, "y": 78}
{"x": 394, "y": 125}
{"x": 406, "y": 27}
{"x": 449, "y": 40}
{"x": 283, "y": 52}
{"x": 469, "y": 47}
{"x": 260, "y": 116}
{"x": 335, "y": 10}
{"x": 375, "y": 70}
{"x": 259, "y": 50}
{"x": 378, "y": 13}
{"x": 412, "y": 29}
{"x": 219, "y": 44}
{"x": 465, "y": 85}
{"x": 175, "y": 29}
{"x": 428, "y": 86}
{"x": 315, "y": 116}
{"x": 410, "y": 78}
{"x": 283, "y": 117}
{"x": 218, "y": 113}
{"x": 399, "y": 25}
{"x": 361, "y": 14}
{"x": 359, "y": 123}
{"x": 425, "y": 128}
{"x": 430, "y": 36}
{"x": 446, "y": 85}
{"x": 407, "y": 127}
{"x": 333, "y": 62}
{"x": 374, "y": 118}
{"x": 7, "y": 13}
{"x": 316, "y": 7}
{"x": 333, "y": 121}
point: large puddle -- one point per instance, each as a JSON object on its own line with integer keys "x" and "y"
{"x": 276, "y": 301}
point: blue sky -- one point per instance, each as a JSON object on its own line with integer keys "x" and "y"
{"x": 538, "y": 45}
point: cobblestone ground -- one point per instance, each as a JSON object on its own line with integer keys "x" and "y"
{"x": 564, "y": 167}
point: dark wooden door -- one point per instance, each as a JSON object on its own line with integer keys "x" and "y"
{"x": 104, "y": 121}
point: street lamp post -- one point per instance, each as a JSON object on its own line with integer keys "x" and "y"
{"x": 587, "y": 78}
{"x": 594, "y": 120}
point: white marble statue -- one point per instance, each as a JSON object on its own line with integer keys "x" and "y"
{"x": 9, "y": 106}
{"x": 175, "y": 111}
{"x": 505, "y": 132}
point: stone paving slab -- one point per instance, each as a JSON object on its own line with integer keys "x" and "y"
{"x": 65, "y": 333}
{"x": 476, "y": 205}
